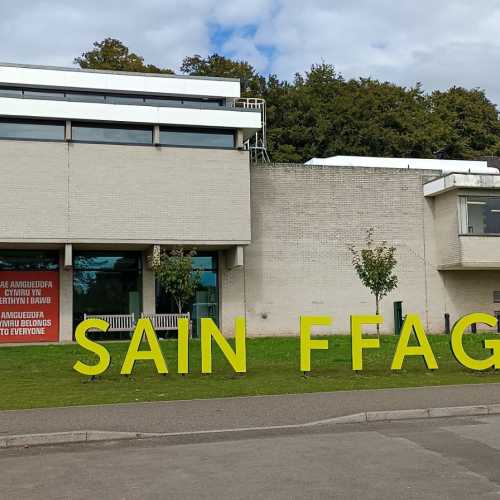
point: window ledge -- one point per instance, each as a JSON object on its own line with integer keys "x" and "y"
{"x": 488, "y": 235}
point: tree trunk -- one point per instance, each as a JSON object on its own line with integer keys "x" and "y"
{"x": 179, "y": 306}
{"x": 377, "y": 300}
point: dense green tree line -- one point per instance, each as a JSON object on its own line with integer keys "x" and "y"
{"x": 322, "y": 114}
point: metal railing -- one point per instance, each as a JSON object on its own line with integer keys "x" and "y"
{"x": 257, "y": 144}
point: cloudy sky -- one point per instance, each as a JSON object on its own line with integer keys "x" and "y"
{"x": 437, "y": 42}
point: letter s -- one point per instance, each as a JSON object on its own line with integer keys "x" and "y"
{"x": 82, "y": 340}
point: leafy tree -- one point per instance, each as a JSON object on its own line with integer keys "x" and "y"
{"x": 469, "y": 125}
{"x": 321, "y": 114}
{"x": 374, "y": 265}
{"x": 174, "y": 271}
{"x": 252, "y": 84}
{"x": 112, "y": 54}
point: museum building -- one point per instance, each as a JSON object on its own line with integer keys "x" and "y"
{"x": 100, "y": 169}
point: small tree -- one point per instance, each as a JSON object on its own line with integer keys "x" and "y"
{"x": 375, "y": 265}
{"x": 174, "y": 271}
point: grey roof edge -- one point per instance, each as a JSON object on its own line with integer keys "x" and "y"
{"x": 425, "y": 171}
{"x": 114, "y": 72}
{"x": 487, "y": 174}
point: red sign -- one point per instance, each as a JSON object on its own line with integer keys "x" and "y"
{"x": 29, "y": 306}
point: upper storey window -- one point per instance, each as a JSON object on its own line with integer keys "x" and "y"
{"x": 198, "y": 137}
{"x": 112, "y": 133}
{"x": 111, "y": 98}
{"x": 482, "y": 214}
{"x": 115, "y": 133}
{"x": 44, "y": 130}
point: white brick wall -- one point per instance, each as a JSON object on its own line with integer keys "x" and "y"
{"x": 108, "y": 193}
{"x": 303, "y": 220}
{"x": 33, "y": 190}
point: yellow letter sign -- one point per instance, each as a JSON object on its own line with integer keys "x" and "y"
{"x": 237, "y": 358}
{"x": 358, "y": 343}
{"x": 306, "y": 343}
{"x": 458, "y": 349}
{"x": 144, "y": 326}
{"x": 100, "y": 350}
{"x": 413, "y": 323}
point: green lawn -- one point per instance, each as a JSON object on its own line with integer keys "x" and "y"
{"x": 42, "y": 376}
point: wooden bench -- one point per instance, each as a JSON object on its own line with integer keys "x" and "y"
{"x": 166, "y": 322}
{"x": 126, "y": 322}
{"x": 117, "y": 322}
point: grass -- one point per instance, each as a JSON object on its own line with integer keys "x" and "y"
{"x": 42, "y": 376}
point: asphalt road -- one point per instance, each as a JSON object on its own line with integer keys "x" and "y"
{"x": 451, "y": 458}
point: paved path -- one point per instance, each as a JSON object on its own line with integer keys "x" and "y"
{"x": 454, "y": 458}
{"x": 231, "y": 413}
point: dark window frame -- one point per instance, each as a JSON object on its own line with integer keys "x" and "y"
{"x": 158, "y": 100}
{"x": 111, "y": 126}
{"x": 105, "y": 253}
{"x": 489, "y": 204}
{"x": 195, "y": 130}
{"x": 36, "y": 121}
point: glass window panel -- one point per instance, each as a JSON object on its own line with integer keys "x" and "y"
{"x": 123, "y": 99}
{"x": 28, "y": 260}
{"x": 117, "y": 134}
{"x": 11, "y": 92}
{"x": 201, "y": 262}
{"x": 107, "y": 261}
{"x": 163, "y": 101}
{"x": 202, "y": 103}
{"x": 43, "y": 94}
{"x": 205, "y": 303}
{"x": 84, "y": 97}
{"x": 179, "y": 101}
{"x": 106, "y": 283}
{"x": 30, "y": 129}
{"x": 483, "y": 215}
{"x": 211, "y": 138}
{"x": 106, "y": 292}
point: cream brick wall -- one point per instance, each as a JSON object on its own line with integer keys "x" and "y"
{"x": 447, "y": 224}
{"x": 303, "y": 220}
{"x": 232, "y": 294}
{"x": 33, "y": 190}
{"x": 480, "y": 251}
{"x": 107, "y": 193}
{"x": 65, "y": 304}
{"x": 471, "y": 291}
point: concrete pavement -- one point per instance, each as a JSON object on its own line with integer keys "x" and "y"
{"x": 230, "y": 413}
{"x": 454, "y": 458}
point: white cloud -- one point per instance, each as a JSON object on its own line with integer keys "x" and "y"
{"x": 438, "y": 43}
{"x": 452, "y": 42}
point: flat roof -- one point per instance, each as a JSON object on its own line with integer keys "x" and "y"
{"x": 451, "y": 181}
{"x": 117, "y": 81}
{"x": 116, "y": 72}
{"x": 445, "y": 166}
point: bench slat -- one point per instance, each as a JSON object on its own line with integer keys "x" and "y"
{"x": 126, "y": 322}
